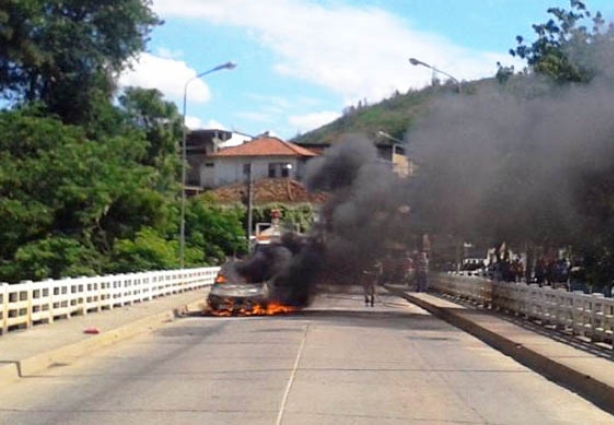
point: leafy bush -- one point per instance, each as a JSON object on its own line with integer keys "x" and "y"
{"x": 55, "y": 257}
{"x": 148, "y": 251}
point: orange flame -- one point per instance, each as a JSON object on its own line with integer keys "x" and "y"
{"x": 270, "y": 309}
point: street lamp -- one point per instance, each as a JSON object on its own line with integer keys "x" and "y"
{"x": 227, "y": 65}
{"x": 417, "y": 62}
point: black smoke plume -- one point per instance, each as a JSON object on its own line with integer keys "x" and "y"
{"x": 366, "y": 213}
{"x": 529, "y": 161}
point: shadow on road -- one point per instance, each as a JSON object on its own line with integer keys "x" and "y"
{"x": 402, "y": 320}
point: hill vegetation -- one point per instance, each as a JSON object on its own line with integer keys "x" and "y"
{"x": 394, "y": 115}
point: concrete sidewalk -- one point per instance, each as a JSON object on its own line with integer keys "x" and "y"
{"x": 587, "y": 374}
{"x": 24, "y": 353}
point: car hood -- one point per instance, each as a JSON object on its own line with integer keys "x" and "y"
{"x": 239, "y": 289}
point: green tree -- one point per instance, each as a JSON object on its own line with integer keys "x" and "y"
{"x": 66, "y": 52}
{"x": 215, "y": 231}
{"x": 54, "y": 182}
{"x": 55, "y": 257}
{"x": 161, "y": 124}
{"x": 294, "y": 217}
{"x": 566, "y": 49}
{"x": 147, "y": 251}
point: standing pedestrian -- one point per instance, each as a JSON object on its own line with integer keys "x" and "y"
{"x": 517, "y": 269}
{"x": 540, "y": 270}
{"x": 409, "y": 269}
{"x": 422, "y": 270}
{"x": 370, "y": 277}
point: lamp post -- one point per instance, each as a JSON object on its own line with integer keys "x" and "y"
{"x": 249, "y": 203}
{"x": 227, "y": 65}
{"x": 417, "y": 62}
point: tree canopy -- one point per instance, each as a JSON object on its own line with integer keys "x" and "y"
{"x": 66, "y": 53}
{"x": 572, "y": 46}
{"x": 89, "y": 175}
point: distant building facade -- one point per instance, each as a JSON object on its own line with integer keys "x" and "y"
{"x": 268, "y": 157}
{"x": 202, "y": 143}
{"x": 388, "y": 152}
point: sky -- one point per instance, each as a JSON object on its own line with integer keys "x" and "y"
{"x": 301, "y": 62}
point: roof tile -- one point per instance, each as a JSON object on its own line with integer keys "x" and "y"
{"x": 266, "y": 146}
{"x": 270, "y": 190}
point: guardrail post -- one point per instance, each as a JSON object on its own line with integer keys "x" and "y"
{"x": 4, "y": 308}
{"x": 596, "y": 317}
{"x": 47, "y": 290}
{"x": 28, "y": 291}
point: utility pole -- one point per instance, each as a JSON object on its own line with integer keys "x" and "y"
{"x": 250, "y": 204}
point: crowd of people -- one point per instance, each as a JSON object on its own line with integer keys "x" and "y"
{"x": 411, "y": 269}
{"x": 547, "y": 269}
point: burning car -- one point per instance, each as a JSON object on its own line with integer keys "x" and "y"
{"x": 232, "y": 293}
{"x": 277, "y": 278}
{"x": 246, "y": 288}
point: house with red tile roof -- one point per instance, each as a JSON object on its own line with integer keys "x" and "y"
{"x": 268, "y": 157}
{"x": 204, "y": 142}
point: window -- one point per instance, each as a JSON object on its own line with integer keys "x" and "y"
{"x": 279, "y": 169}
{"x": 209, "y": 164}
{"x": 246, "y": 169}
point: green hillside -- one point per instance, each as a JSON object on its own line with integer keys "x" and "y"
{"x": 393, "y": 115}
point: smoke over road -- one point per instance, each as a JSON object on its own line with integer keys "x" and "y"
{"x": 366, "y": 211}
{"x": 513, "y": 166}
{"x": 502, "y": 163}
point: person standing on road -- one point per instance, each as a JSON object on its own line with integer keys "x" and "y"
{"x": 410, "y": 270}
{"x": 422, "y": 269}
{"x": 370, "y": 278}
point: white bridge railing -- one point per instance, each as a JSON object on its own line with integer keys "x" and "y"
{"x": 590, "y": 316}
{"x": 28, "y": 303}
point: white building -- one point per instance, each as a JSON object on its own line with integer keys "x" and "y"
{"x": 267, "y": 157}
{"x": 204, "y": 142}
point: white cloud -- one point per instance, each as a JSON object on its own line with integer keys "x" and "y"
{"x": 213, "y": 124}
{"x": 193, "y": 123}
{"x": 167, "y": 75}
{"x": 165, "y": 53}
{"x": 314, "y": 120}
{"x": 355, "y": 51}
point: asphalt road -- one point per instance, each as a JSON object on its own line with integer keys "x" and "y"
{"x": 335, "y": 363}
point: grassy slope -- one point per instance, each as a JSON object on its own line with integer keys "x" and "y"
{"x": 394, "y": 116}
